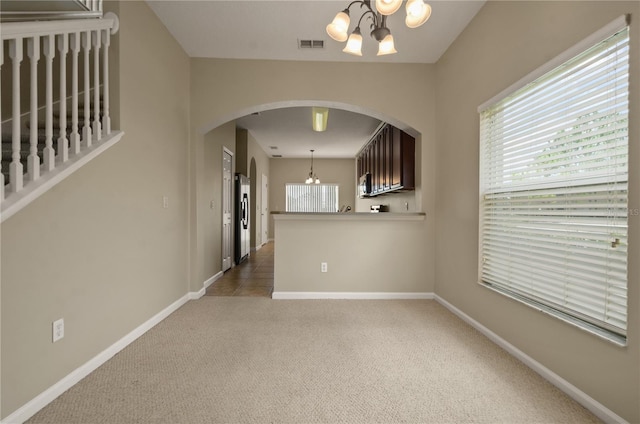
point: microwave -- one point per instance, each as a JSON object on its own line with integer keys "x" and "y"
{"x": 364, "y": 185}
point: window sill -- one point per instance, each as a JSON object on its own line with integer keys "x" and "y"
{"x": 604, "y": 334}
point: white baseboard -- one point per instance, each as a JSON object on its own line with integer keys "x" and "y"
{"x": 197, "y": 295}
{"x": 43, "y": 399}
{"x": 598, "y": 409}
{"x": 213, "y": 279}
{"x": 350, "y": 295}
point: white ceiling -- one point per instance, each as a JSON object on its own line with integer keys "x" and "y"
{"x": 269, "y": 29}
{"x": 289, "y": 129}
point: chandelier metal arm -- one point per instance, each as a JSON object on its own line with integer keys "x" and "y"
{"x": 367, "y": 4}
{"x": 374, "y": 19}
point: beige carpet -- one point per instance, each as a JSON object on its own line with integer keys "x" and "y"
{"x": 257, "y": 360}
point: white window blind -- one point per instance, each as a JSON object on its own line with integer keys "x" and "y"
{"x": 554, "y": 158}
{"x": 312, "y": 197}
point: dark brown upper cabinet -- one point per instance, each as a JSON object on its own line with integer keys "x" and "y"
{"x": 389, "y": 157}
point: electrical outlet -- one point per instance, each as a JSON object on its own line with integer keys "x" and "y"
{"x": 58, "y": 329}
{"x": 165, "y": 202}
{"x": 323, "y": 267}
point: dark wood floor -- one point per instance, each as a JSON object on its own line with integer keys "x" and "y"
{"x": 253, "y": 277}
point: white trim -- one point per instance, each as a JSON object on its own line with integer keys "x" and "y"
{"x": 350, "y": 295}
{"x": 598, "y": 36}
{"x": 197, "y": 295}
{"x": 30, "y": 408}
{"x": 598, "y": 409}
{"x": 14, "y": 30}
{"x": 213, "y": 279}
{"x": 16, "y": 201}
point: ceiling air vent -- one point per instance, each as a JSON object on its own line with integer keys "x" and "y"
{"x": 311, "y": 44}
{"x": 276, "y": 156}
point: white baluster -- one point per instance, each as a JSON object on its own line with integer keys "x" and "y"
{"x": 74, "y": 138}
{"x": 97, "y": 127}
{"x": 49, "y": 51}
{"x": 106, "y": 118}
{"x": 63, "y": 143}
{"x": 86, "y": 129}
{"x": 33, "y": 160}
{"x": 1, "y": 174}
{"x": 15, "y": 167}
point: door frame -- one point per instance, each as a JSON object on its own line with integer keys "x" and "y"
{"x": 264, "y": 212}
{"x": 227, "y": 262}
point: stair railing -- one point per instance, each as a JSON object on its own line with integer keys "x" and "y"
{"x": 78, "y": 141}
{"x": 92, "y": 5}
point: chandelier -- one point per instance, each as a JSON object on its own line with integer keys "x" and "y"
{"x": 417, "y": 13}
{"x": 313, "y": 178}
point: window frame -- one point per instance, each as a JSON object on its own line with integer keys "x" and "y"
{"x": 568, "y": 316}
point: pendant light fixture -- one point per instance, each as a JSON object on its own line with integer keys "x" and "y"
{"x": 418, "y": 12}
{"x": 319, "y": 118}
{"x": 313, "y": 178}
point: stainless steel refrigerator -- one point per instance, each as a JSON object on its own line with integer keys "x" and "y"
{"x": 242, "y": 236}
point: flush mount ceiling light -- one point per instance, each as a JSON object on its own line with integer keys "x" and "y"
{"x": 319, "y": 116}
{"x": 313, "y": 178}
{"x": 417, "y": 14}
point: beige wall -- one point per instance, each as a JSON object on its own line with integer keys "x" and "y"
{"x": 367, "y": 254}
{"x": 252, "y": 85}
{"x": 502, "y": 44}
{"x": 397, "y": 202}
{"x": 259, "y": 166}
{"x": 99, "y": 250}
{"x": 330, "y": 171}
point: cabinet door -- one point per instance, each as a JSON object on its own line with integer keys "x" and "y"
{"x": 386, "y": 149}
{"x": 365, "y": 161}
{"x": 375, "y": 168}
{"x": 408, "y": 147}
{"x": 381, "y": 161}
{"x": 396, "y": 158}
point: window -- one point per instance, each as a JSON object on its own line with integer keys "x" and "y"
{"x": 312, "y": 198}
{"x": 553, "y": 166}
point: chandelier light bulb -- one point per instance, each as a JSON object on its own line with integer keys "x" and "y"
{"x": 388, "y": 7}
{"x": 338, "y": 28}
{"x": 354, "y": 44}
{"x": 418, "y": 12}
{"x": 386, "y": 46}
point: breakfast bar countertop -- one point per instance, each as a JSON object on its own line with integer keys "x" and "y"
{"x": 380, "y": 216}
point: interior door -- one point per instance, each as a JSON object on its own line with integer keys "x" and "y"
{"x": 227, "y": 193}
{"x": 264, "y": 213}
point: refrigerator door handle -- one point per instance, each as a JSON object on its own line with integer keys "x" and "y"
{"x": 245, "y": 211}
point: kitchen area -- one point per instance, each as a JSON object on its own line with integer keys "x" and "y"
{"x": 359, "y": 254}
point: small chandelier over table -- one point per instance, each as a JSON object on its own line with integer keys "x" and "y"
{"x": 417, "y": 14}
{"x": 313, "y": 178}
